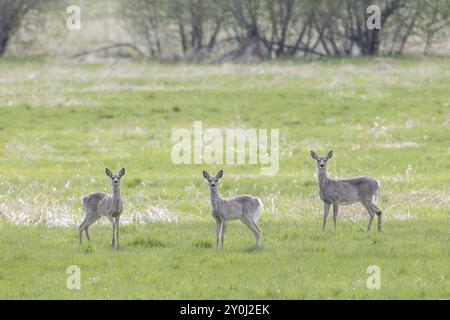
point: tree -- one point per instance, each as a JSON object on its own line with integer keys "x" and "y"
{"x": 435, "y": 19}
{"x": 194, "y": 24}
{"x": 11, "y": 14}
{"x": 198, "y": 22}
{"x": 368, "y": 41}
{"x": 146, "y": 19}
{"x": 245, "y": 17}
{"x": 249, "y": 30}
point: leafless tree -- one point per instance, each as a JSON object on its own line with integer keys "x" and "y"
{"x": 145, "y": 19}
{"x": 368, "y": 41}
{"x": 245, "y": 17}
{"x": 193, "y": 24}
{"x": 435, "y": 19}
{"x": 11, "y": 15}
{"x": 199, "y": 23}
{"x": 265, "y": 29}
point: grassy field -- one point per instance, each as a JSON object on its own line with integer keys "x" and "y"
{"x": 296, "y": 261}
{"x": 62, "y": 123}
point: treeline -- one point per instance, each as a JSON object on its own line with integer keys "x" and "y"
{"x": 226, "y": 30}
{"x": 263, "y": 29}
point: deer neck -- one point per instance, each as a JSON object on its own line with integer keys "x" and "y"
{"x": 215, "y": 199}
{"x": 116, "y": 196}
{"x": 322, "y": 178}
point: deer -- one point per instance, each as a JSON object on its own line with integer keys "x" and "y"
{"x": 97, "y": 205}
{"x": 246, "y": 208}
{"x": 335, "y": 192}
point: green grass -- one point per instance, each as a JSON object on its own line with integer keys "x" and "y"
{"x": 169, "y": 261}
{"x": 62, "y": 123}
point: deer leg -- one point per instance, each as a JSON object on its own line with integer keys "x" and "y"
{"x": 379, "y": 213}
{"x": 222, "y": 232}
{"x": 257, "y": 227}
{"x": 258, "y": 238}
{"x": 111, "y": 219}
{"x": 80, "y": 233}
{"x": 326, "y": 211}
{"x": 380, "y": 223}
{"x": 370, "y": 222}
{"x": 218, "y": 229}
{"x": 86, "y": 230}
{"x": 88, "y": 221}
{"x": 335, "y": 213}
{"x": 371, "y": 214}
{"x": 116, "y": 220}
{"x": 252, "y": 226}
{"x": 80, "y": 230}
{"x": 113, "y": 243}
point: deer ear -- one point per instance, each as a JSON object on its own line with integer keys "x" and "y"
{"x": 314, "y": 155}
{"x": 122, "y": 172}
{"x": 219, "y": 174}
{"x": 330, "y": 154}
{"x": 206, "y": 175}
{"x": 108, "y": 173}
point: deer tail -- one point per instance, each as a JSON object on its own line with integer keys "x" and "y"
{"x": 377, "y": 195}
{"x": 258, "y": 211}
